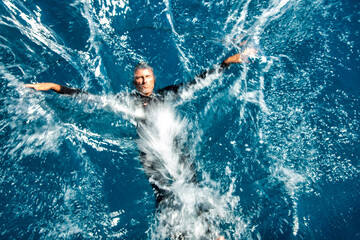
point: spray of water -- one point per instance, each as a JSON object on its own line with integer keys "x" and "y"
{"x": 190, "y": 209}
{"x": 289, "y": 133}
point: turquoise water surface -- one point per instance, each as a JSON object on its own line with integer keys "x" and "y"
{"x": 274, "y": 141}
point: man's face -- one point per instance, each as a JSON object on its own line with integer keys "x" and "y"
{"x": 144, "y": 81}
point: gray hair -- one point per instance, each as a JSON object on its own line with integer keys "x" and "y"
{"x": 143, "y": 65}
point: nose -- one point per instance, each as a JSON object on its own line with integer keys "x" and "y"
{"x": 146, "y": 80}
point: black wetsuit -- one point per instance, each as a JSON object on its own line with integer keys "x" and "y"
{"x": 157, "y": 180}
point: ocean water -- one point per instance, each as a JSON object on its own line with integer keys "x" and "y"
{"x": 274, "y": 141}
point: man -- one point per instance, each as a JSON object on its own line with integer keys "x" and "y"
{"x": 144, "y": 82}
{"x": 145, "y": 97}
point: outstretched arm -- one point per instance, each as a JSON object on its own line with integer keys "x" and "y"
{"x": 237, "y": 58}
{"x": 55, "y": 87}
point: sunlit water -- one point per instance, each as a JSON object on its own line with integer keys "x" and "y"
{"x": 274, "y": 141}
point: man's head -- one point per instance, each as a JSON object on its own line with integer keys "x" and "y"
{"x": 144, "y": 79}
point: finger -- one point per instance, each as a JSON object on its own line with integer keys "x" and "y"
{"x": 29, "y": 85}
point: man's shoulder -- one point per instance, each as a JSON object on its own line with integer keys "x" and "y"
{"x": 171, "y": 88}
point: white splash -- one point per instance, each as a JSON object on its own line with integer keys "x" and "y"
{"x": 190, "y": 209}
{"x": 292, "y": 181}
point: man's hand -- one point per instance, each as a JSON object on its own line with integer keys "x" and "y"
{"x": 241, "y": 57}
{"x": 233, "y": 59}
{"x": 44, "y": 86}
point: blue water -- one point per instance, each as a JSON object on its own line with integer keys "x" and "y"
{"x": 275, "y": 141}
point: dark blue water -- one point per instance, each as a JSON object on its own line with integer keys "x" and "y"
{"x": 275, "y": 141}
